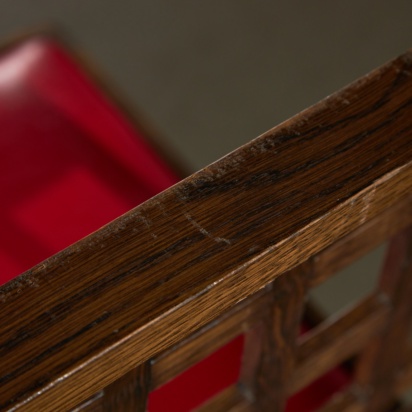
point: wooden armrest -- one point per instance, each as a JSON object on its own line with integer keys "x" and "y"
{"x": 258, "y": 219}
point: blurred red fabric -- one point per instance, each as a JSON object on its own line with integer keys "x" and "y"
{"x": 70, "y": 162}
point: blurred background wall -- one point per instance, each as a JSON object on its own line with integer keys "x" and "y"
{"x": 214, "y": 74}
{"x": 211, "y": 75}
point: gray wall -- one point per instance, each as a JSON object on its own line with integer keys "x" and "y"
{"x": 211, "y": 75}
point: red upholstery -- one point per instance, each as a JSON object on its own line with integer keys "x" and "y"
{"x": 193, "y": 386}
{"x": 71, "y": 162}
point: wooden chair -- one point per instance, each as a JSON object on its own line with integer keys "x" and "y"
{"x": 221, "y": 264}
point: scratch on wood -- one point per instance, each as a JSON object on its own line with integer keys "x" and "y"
{"x": 367, "y": 200}
{"x": 205, "y": 232}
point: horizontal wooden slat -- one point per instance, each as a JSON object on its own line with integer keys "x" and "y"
{"x": 361, "y": 241}
{"x": 337, "y": 339}
{"x": 240, "y": 319}
{"x": 85, "y": 317}
{"x": 355, "y": 399}
{"x": 94, "y": 404}
{"x": 229, "y": 400}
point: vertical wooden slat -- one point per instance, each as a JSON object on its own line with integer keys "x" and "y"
{"x": 270, "y": 348}
{"x": 130, "y": 392}
{"x": 380, "y": 362}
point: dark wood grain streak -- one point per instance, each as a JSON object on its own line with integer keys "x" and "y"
{"x": 85, "y": 317}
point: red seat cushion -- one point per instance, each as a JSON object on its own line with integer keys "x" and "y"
{"x": 70, "y": 161}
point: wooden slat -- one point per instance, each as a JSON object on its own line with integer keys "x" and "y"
{"x": 208, "y": 339}
{"x": 361, "y": 241}
{"x": 270, "y": 350}
{"x": 77, "y": 322}
{"x": 94, "y": 404}
{"x": 229, "y": 400}
{"x": 130, "y": 392}
{"x": 337, "y": 339}
{"x": 382, "y": 359}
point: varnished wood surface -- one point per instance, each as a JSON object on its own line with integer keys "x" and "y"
{"x": 93, "y": 404}
{"x": 85, "y": 317}
{"x": 274, "y": 350}
{"x": 130, "y": 392}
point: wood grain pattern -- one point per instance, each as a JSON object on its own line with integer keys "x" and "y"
{"x": 269, "y": 354}
{"x": 279, "y": 353}
{"x": 94, "y": 404}
{"x": 130, "y": 392}
{"x": 82, "y": 319}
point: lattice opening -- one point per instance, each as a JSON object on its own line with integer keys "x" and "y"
{"x": 350, "y": 284}
{"x": 345, "y": 295}
{"x": 200, "y": 382}
{"x": 320, "y": 391}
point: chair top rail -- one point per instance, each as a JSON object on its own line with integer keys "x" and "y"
{"x": 86, "y": 316}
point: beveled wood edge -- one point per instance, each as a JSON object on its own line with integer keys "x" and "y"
{"x": 92, "y": 404}
{"x": 261, "y": 268}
